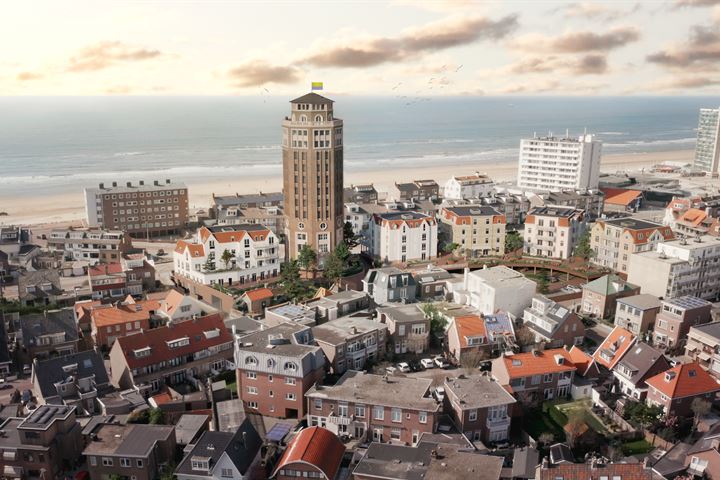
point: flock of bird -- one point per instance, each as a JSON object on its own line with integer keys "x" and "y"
{"x": 433, "y": 82}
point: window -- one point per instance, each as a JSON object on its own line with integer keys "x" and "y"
{"x": 396, "y": 415}
{"x": 107, "y": 462}
{"x": 226, "y": 473}
{"x": 378, "y": 413}
{"x": 547, "y": 377}
{"x": 472, "y": 415}
{"x": 252, "y": 375}
{"x": 139, "y": 463}
{"x": 125, "y": 462}
{"x": 318, "y": 403}
{"x": 289, "y": 381}
{"x": 252, "y": 390}
{"x": 395, "y": 434}
{"x": 360, "y": 411}
{"x": 290, "y": 396}
{"x": 93, "y": 461}
{"x": 422, "y": 417}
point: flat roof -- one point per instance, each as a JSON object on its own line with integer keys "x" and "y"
{"x": 478, "y": 391}
{"x": 632, "y": 223}
{"x": 644, "y": 301}
{"x": 45, "y": 415}
{"x": 343, "y": 328}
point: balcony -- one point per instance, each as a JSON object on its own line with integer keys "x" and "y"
{"x": 339, "y": 419}
{"x": 498, "y": 423}
{"x": 562, "y": 381}
{"x": 10, "y": 471}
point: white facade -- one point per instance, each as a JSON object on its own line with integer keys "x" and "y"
{"x": 553, "y": 232}
{"x": 495, "y": 289}
{"x": 706, "y": 148}
{"x": 470, "y": 186}
{"x": 403, "y": 237}
{"x": 255, "y": 250}
{"x": 552, "y": 163}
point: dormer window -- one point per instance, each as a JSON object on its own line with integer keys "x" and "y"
{"x": 141, "y": 352}
{"x": 290, "y": 366}
{"x": 200, "y": 463}
{"x": 669, "y": 376}
{"x": 179, "y": 342}
{"x": 251, "y": 361}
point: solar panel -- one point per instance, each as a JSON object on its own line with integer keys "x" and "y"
{"x": 278, "y": 432}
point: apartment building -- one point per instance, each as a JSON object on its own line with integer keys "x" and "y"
{"x": 257, "y": 209}
{"x": 677, "y": 207}
{"x": 614, "y": 240}
{"x": 706, "y": 147}
{"x": 553, "y": 231}
{"x": 404, "y": 236}
{"x": 133, "y": 275}
{"x": 599, "y": 297}
{"x": 41, "y": 445}
{"x": 315, "y": 452}
{"x": 592, "y": 202}
{"x": 479, "y": 231}
{"x": 108, "y": 322}
{"x": 348, "y": 342}
{"x": 637, "y": 313}
{"x": 639, "y": 363}
{"x": 468, "y": 186}
{"x": 13, "y": 238}
{"x": 554, "y": 163}
{"x": 229, "y": 255}
{"x": 176, "y": 353}
{"x": 140, "y": 210}
{"x": 408, "y": 329}
{"x": 76, "y": 380}
{"x": 222, "y": 203}
{"x": 676, "y": 318}
{"x": 473, "y": 337}
{"x": 374, "y": 408}
{"x": 703, "y": 347}
{"x": 537, "y": 375}
{"x": 389, "y": 284}
{"x": 92, "y": 245}
{"x": 415, "y": 190}
{"x": 480, "y": 407}
{"x": 130, "y": 451}
{"x": 364, "y": 193}
{"x": 494, "y": 289}
{"x": 675, "y": 389}
{"x": 553, "y": 324}
{"x": 275, "y": 367}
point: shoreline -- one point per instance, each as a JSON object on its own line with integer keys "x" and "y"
{"x": 69, "y": 209}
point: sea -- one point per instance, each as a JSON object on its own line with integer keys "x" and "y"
{"x": 62, "y": 144}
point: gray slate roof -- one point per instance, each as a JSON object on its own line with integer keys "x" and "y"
{"x": 48, "y": 372}
{"x": 47, "y": 323}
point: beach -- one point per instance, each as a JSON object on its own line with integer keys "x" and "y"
{"x": 37, "y": 209}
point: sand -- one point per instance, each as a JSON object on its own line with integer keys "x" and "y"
{"x": 60, "y": 210}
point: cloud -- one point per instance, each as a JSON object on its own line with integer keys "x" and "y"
{"x": 255, "y": 73}
{"x": 438, "y": 6}
{"x": 119, "y": 90}
{"x": 26, "y": 76}
{"x": 700, "y": 52}
{"x": 591, "y": 64}
{"x": 441, "y": 35}
{"x": 683, "y": 83}
{"x": 577, "y": 42}
{"x": 547, "y": 86}
{"x": 592, "y": 10}
{"x": 107, "y": 54}
{"x": 696, "y": 3}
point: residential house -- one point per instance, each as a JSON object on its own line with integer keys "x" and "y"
{"x": 42, "y": 335}
{"x": 4, "y": 264}
{"x": 365, "y": 193}
{"x": 591, "y": 201}
{"x": 275, "y": 367}
{"x": 618, "y": 342}
{"x": 408, "y": 328}
{"x": 295, "y": 313}
{"x": 622, "y": 200}
{"x": 313, "y": 452}
{"x": 600, "y": 296}
{"x": 594, "y": 470}
{"x": 225, "y": 203}
{"x": 13, "y": 238}
{"x": 431, "y": 282}
{"x": 77, "y": 380}
{"x": 348, "y": 342}
{"x": 677, "y": 317}
{"x": 133, "y": 451}
{"x": 173, "y": 354}
{"x": 480, "y": 407}
{"x": 92, "y": 245}
{"x": 675, "y": 389}
{"x": 176, "y": 307}
{"x": 693, "y": 222}
{"x": 257, "y": 300}
{"x": 586, "y": 375}
{"x": 537, "y": 375}
{"x": 389, "y": 284}
{"x": 637, "y": 313}
{"x": 553, "y": 231}
{"x": 374, "y": 408}
{"x": 703, "y": 346}
{"x": 638, "y": 364}
{"x": 223, "y": 455}
{"x": 678, "y": 206}
{"x": 468, "y": 186}
{"x": 678, "y": 268}
{"x": 614, "y": 240}
{"x": 479, "y": 231}
{"x": 39, "y": 288}
{"x": 403, "y": 236}
{"x": 340, "y": 304}
{"x": 494, "y": 289}
{"x": 415, "y": 190}
{"x": 471, "y": 338}
{"x": 6, "y": 361}
{"x": 133, "y": 275}
{"x": 129, "y": 317}
{"x": 553, "y": 324}
{"x": 42, "y": 445}
{"x": 703, "y": 457}
{"x": 253, "y": 255}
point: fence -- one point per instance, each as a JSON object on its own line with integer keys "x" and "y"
{"x": 624, "y": 425}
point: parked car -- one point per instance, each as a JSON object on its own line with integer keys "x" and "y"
{"x": 403, "y": 367}
{"x": 5, "y": 386}
{"x": 440, "y": 362}
{"x": 485, "y": 366}
{"x": 427, "y": 363}
{"x": 390, "y": 370}
{"x": 439, "y": 394}
{"x": 415, "y": 366}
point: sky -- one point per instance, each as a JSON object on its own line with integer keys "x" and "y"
{"x": 394, "y": 47}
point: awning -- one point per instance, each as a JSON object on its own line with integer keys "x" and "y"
{"x": 704, "y": 356}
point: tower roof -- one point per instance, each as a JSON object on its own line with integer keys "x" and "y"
{"x": 312, "y": 98}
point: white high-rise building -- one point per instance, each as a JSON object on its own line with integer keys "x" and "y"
{"x": 706, "y": 148}
{"x": 553, "y": 163}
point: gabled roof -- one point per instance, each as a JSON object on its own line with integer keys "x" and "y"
{"x": 641, "y": 359}
{"x": 615, "y": 345}
{"x": 258, "y": 294}
{"x": 311, "y": 97}
{"x": 104, "y": 316}
{"x": 105, "y": 269}
{"x": 554, "y": 360}
{"x": 48, "y": 323}
{"x": 685, "y": 380}
{"x": 609, "y": 284}
{"x": 469, "y": 326}
{"x": 172, "y": 301}
{"x": 196, "y": 249}
{"x": 88, "y": 364}
{"x": 582, "y": 360}
{"x": 620, "y": 196}
{"x": 315, "y": 446}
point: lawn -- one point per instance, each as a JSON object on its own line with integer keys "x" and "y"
{"x": 583, "y": 406}
{"x": 636, "y": 447}
{"x": 538, "y": 422}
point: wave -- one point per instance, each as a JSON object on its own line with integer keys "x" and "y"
{"x": 257, "y": 148}
{"x": 676, "y": 141}
{"x": 613, "y": 133}
{"x": 128, "y": 154}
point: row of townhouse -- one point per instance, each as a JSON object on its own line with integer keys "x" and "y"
{"x": 93, "y": 245}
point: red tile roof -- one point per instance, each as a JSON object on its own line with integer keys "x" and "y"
{"x": 618, "y": 342}
{"x": 105, "y": 269}
{"x": 470, "y": 326}
{"x": 581, "y": 359}
{"x": 157, "y": 339}
{"x": 173, "y": 301}
{"x": 584, "y": 471}
{"x": 315, "y": 446}
{"x": 105, "y": 316}
{"x": 538, "y": 363}
{"x": 687, "y": 380}
{"x": 694, "y": 216}
{"x": 196, "y": 250}
{"x": 259, "y": 294}
{"x": 620, "y": 196}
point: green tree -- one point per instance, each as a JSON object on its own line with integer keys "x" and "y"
{"x": 307, "y": 258}
{"x": 342, "y": 252}
{"x": 142, "y": 416}
{"x": 334, "y": 267}
{"x": 513, "y": 242}
{"x": 699, "y": 408}
{"x": 227, "y": 255}
{"x": 583, "y": 248}
{"x": 450, "y": 247}
{"x": 437, "y": 321}
{"x": 290, "y": 280}
{"x": 349, "y": 237}
{"x": 542, "y": 279}
{"x": 210, "y": 262}
{"x": 156, "y": 416}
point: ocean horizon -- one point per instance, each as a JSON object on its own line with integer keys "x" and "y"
{"x": 63, "y": 144}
